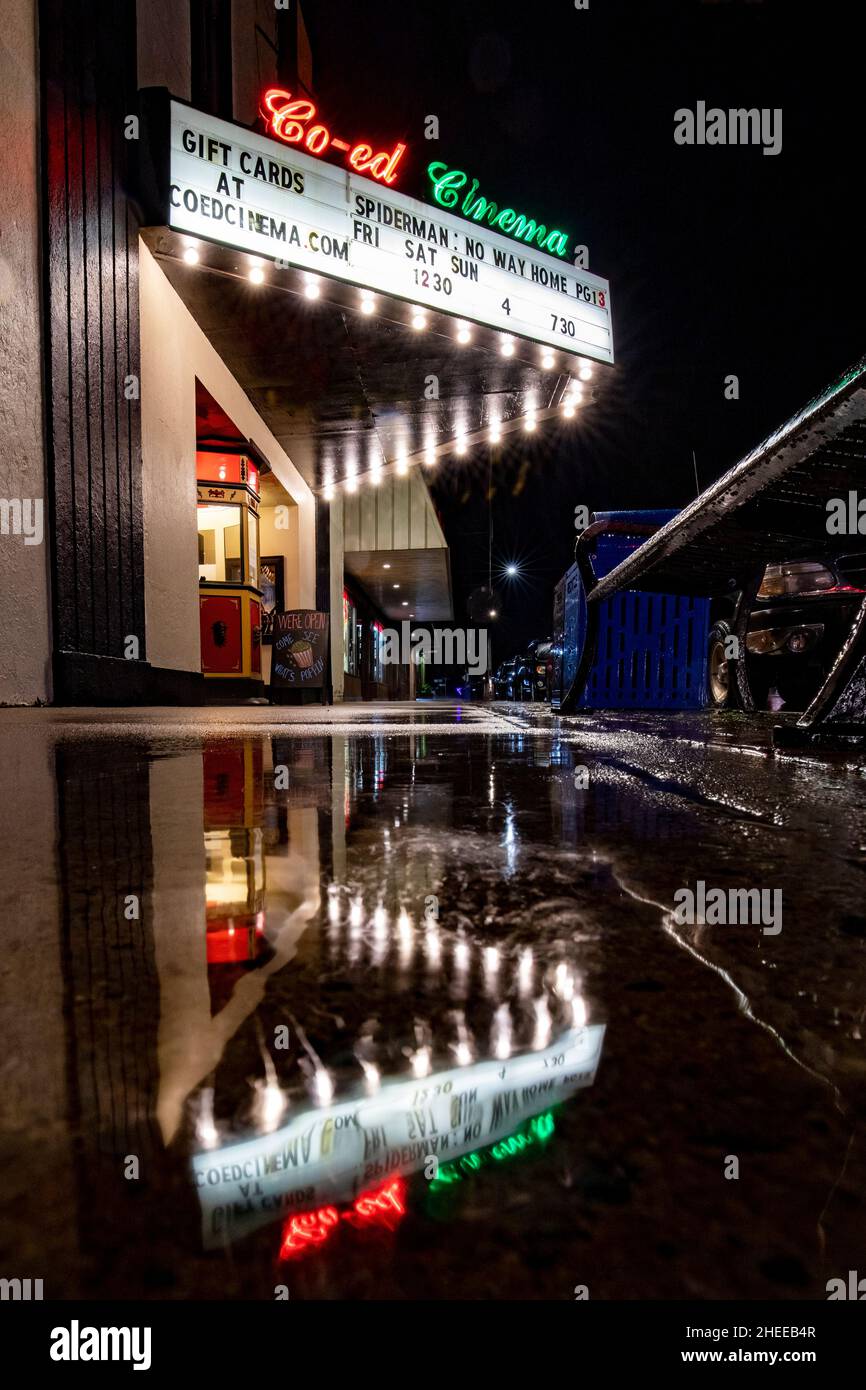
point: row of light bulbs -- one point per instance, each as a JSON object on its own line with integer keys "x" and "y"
{"x": 571, "y": 400}
{"x": 418, "y": 318}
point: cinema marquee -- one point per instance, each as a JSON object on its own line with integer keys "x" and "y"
{"x": 254, "y": 193}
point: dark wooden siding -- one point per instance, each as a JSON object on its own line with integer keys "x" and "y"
{"x": 90, "y": 243}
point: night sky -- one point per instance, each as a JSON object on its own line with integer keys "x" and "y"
{"x": 721, "y": 259}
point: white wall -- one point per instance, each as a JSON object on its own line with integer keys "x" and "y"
{"x": 25, "y": 634}
{"x": 174, "y": 352}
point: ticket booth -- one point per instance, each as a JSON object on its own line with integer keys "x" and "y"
{"x": 230, "y": 600}
{"x": 235, "y": 864}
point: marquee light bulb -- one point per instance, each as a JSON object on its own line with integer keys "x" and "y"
{"x": 529, "y": 423}
{"x": 463, "y": 334}
{"x": 368, "y": 304}
{"x": 585, "y": 372}
{"x": 419, "y": 320}
{"x": 547, "y": 360}
{"x": 402, "y": 465}
{"x": 190, "y": 255}
{"x": 568, "y": 410}
{"x": 352, "y": 484}
{"x": 257, "y": 275}
{"x": 328, "y": 492}
{"x": 495, "y": 432}
{"x": 311, "y": 290}
{"x": 460, "y": 447}
{"x": 507, "y": 347}
{"x": 430, "y": 456}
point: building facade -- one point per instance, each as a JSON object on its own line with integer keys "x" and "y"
{"x": 217, "y": 425}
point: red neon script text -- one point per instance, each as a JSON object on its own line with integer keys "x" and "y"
{"x": 288, "y": 119}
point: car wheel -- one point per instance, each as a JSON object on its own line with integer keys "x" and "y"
{"x": 718, "y": 671}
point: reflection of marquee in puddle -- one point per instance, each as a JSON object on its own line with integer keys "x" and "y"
{"x": 330, "y": 1155}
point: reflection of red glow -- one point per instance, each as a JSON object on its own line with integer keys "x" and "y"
{"x": 385, "y": 1206}
{"x": 234, "y": 938}
{"x": 312, "y": 1228}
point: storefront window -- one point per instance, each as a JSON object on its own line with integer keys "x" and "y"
{"x": 348, "y": 630}
{"x": 219, "y": 543}
{"x": 352, "y": 634}
{"x": 378, "y": 651}
{"x": 252, "y": 533}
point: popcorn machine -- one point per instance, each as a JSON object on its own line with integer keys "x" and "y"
{"x": 230, "y": 600}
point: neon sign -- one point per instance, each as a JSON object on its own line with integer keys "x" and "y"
{"x": 447, "y": 185}
{"x": 289, "y": 119}
{"x": 385, "y": 1206}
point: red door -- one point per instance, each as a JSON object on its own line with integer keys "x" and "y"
{"x": 221, "y": 641}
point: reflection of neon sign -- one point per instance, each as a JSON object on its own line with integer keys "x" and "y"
{"x": 446, "y": 185}
{"x": 321, "y": 1157}
{"x": 383, "y": 1207}
{"x": 288, "y": 119}
{"x": 538, "y": 1131}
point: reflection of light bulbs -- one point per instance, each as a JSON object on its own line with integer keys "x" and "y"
{"x": 543, "y": 1023}
{"x": 270, "y": 1104}
{"x": 421, "y": 1062}
{"x": 206, "y": 1131}
{"x": 323, "y": 1087}
{"x": 564, "y": 982}
{"x": 371, "y": 1076}
{"x": 356, "y": 912}
{"x": 500, "y": 1037}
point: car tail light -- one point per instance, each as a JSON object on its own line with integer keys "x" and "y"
{"x": 800, "y": 577}
{"x": 776, "y": 639}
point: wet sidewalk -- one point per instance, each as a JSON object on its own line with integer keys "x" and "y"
{"x": 392, "y": 1002}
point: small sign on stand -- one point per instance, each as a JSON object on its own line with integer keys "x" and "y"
{"x": 299, "y": 654}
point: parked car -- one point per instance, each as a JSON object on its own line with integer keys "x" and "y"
{"x": 504, "y": 681}
{"x": 533, "y": 672}
{"x": 802, "y": 614}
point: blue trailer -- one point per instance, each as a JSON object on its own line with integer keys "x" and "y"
{"x": 650, "y": 649}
